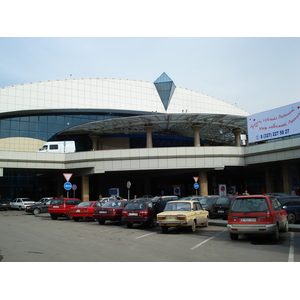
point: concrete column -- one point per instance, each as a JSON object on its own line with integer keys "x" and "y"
{"x": 149, "y": 130}
{"x": 85, "y": 183}
{"x": 269, "y": 181}
{"x": 196, "y": 129}
{"x": 95, "y": 140}
{"x": 286, "y": 179}
{"x": 203, "y": 183}
{"x": 237, "y": 132}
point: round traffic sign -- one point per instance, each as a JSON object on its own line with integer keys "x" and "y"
{"x": 67, "y": 186}
{"x": 74, "y": 187}
{"x": 196, "y": 186}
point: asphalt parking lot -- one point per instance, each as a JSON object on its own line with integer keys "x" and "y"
{"x": 29, "y": 238}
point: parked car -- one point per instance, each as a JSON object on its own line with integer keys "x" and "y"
{"x": 161, "y": 201}
{"x": 277, "y": 194}
{"x": 44, "y": 199}
{"x": 84, "y": 210}
{"x": 4, "y": 205}
{"x": 107, "y": 199}
{"x": 110, "y": 211}
{"x": 221, "y": 207}
{"x": 142, "y": 199}
{"x": 291, "y": 205}
{"x": 38, "y": 208}
{"x": 208, "y": 202}
{"x": 197, "y": 198}
{"x": 182, "y": 213}
{"x": 59, "y": 207}
{"x": 257, "y": 214}
{"x": 21, "y": 203}
{"x": 139, "y": 213}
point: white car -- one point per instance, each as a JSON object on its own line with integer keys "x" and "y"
{"x": 21, "y": 203}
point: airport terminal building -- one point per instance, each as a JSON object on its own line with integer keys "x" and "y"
{"x": 159, "y": 137}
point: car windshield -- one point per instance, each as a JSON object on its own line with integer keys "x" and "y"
{"x": 135, "y": 205}
{"x": 57, "y": 202}
{"x": 112, "y": 204}
{"x": 246, "y": 205}
{"x": 85, "y": 204}
{"x": 171, "y": 206}
{"x": 223, "y": 200}
{"x": 205, "y": 201}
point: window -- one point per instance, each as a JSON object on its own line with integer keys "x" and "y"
{"x": 57, "y": 202}
{"x": 196, "y": 206}
{"x": 275, "y": 204}
{"x": 54, "y": 147}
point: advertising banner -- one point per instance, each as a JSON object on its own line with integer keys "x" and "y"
{"x": 274, "y": 123}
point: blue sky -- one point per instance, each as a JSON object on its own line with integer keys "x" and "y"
{"x": 246, "y": 67}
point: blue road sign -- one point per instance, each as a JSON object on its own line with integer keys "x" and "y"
{"x": 67, "y": 186}
{"x": 196, "y": 186}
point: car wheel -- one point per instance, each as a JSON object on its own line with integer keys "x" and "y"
{"x": 291, "y": 218}
{"x": 164, "y": 229}
{"x": 36, "y": 211}
{"x": 129, "y": 225}
{"x": 193, "y": 227}
{"x": 53, "y": 217}
{"x": 233, "y": 236}
{"x": 76, "y": 219}
{"x": 101, "y": 222}
{"x": 20, "y": 208}
{"x": 275, "y": 235}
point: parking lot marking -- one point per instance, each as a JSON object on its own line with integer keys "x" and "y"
{"x": 291, "y": 250}
{"x": 198, "y": 245}
{"x": 139, "y": 237}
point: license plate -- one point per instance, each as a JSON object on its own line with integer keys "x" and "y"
{"x": 55, "y": 206}
{"x": 248, "y": 220}
{"x": 220, "y": 211}
{"x": 132, "y": 214}
{"x": 168, "y": 218}
{"x": 77, "y": 210}
{"x": 102, "y": 212}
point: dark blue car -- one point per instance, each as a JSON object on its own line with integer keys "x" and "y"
{"x": 291, "y": 204}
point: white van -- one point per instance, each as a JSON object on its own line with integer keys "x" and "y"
{"x": 58, "y": 147}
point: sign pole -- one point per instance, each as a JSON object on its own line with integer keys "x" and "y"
{"x": 128, "y": 187}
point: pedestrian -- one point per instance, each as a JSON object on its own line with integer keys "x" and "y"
{"x": 245, "y": 193}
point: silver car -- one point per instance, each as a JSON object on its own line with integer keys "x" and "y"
{"x": 21, "y": 203}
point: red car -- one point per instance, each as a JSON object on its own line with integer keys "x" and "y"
{"x": 257, "y": 215}
{"x": 84, "y": 210}
{"x": 110, "y": 211}
{"x": 59, "y": 207}
{"x": 139, "y": 213}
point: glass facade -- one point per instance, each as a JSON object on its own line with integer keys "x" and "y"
{"x": 165, "y": 88}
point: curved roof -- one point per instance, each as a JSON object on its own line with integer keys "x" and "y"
{"x": 215, "y": 126}
{"x": 161, "y": 96}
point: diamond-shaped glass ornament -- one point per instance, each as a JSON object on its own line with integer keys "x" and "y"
{"x": 165, "y": 88}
